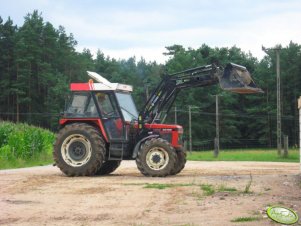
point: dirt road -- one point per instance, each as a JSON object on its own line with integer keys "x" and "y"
{"x": 205, "y": 193}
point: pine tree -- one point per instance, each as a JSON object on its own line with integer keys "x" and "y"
{"x": 7, "y": 70}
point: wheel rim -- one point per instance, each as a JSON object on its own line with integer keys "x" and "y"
{"x": 76, "y": 150}
{"x": 157, "y": 158}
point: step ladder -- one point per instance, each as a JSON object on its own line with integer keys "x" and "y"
{"x": 116, "y": 149}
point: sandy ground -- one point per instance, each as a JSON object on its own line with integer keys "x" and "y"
{"x": 44, "y": 196}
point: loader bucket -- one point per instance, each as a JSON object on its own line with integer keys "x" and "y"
{"x": 237, "y": 79}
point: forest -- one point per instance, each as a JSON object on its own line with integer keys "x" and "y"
{"x": 39, "y": 61}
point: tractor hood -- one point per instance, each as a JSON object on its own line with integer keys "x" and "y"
{"x": 236, "y": 78}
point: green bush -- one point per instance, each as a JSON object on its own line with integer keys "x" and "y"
{"x": 6, "y": 128}
{"x": 5, "y": 152}
{"x": 22, "y": 141}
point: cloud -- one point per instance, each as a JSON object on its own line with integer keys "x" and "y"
{"x": 149, "y": 54}
{"x": 144, "y": 28}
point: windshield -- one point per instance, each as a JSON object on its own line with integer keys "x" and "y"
{"x": 127, "y": 106}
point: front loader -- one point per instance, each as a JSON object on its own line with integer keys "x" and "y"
{"x": 101, "y": 126}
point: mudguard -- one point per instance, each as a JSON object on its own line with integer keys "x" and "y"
{"x": 137, "y": 146}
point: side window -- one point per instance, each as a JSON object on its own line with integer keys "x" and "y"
{"x": 81, "y": 105}
{"x": 107, "y": 105}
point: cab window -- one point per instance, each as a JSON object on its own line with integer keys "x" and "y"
{"x": 81, "y": 105}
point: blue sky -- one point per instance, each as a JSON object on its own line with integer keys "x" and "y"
{"x": 122, "y": 29}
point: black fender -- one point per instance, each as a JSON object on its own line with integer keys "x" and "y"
{"x": 137, "y": 146}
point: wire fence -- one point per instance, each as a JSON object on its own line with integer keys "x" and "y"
{"x": 199, "y": 145}
{"x": 236, "y": 130}
{"x": 202, "y": 138}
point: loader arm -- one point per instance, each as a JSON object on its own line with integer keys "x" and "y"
{"x": 233, "y": 77}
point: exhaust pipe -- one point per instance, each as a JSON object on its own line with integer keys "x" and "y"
{"x": 237, "y": 79}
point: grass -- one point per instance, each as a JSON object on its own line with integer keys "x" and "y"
{"x": 248, "y": 186}
{"x": 38, "y": 160}
{"x": 245, "y": 155}
{"x": 242, "y": 155}
{"x": 208, "y": 189}
{"x": 164, "y": 186}
{"x": 23, "y": 145}
{"x": 223, "y": 188}
{"x": 245, "y": 219}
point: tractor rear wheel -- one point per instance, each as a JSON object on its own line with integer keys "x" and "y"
{"x": 180, "y": 163}
{"x": 79, "y": 150}
{"x": 108, "y": 167}
{"x": 156, "y": 158}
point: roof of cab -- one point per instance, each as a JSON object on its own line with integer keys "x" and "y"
{"x": 91, "y": 86}
{"x": 102, "y": 85}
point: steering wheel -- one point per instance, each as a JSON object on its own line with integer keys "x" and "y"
{"x": 111, "y": 114}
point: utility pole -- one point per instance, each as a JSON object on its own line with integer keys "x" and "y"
{"x": 216, "y": 143}
{"x": 190, "y": 137}
{"x": 279, "y": 140}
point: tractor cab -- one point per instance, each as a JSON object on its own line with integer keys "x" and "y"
{"x": 107, "y": 105}
{"x": 112, "y": 110}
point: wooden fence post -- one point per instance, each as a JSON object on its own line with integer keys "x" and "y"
{"x": 216, "y": 147}
{"x": 285, "y": 146}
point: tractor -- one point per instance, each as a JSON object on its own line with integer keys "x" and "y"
{"x": 101, "y": 126}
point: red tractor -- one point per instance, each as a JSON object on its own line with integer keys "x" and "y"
{"x": 101, "y": 126}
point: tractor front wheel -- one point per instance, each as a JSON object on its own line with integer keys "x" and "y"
{"x": 180, "y": 164}
{"x": 79, "y": 150}
{"x": 156, "y": 158}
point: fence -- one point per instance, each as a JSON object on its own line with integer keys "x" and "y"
{"x": 203, "y": 137}
{"x": 258, "y": 131}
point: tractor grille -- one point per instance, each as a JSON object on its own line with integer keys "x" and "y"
{"x": 166, "y": 136}
{"x": 180, "y": 139}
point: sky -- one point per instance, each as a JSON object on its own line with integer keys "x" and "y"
{"x": 143, "y": 28}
